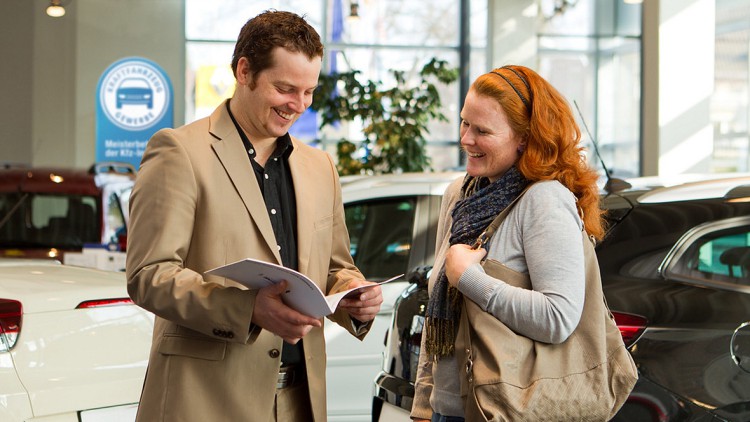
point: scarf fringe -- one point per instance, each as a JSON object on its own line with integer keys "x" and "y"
{"x": 479, "y": 202}
{"x": 441, "y": 332}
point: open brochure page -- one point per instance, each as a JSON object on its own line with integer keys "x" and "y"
{"x": 302, "y": 293}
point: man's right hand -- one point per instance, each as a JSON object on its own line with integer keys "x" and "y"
{"x": 272, "y": 314}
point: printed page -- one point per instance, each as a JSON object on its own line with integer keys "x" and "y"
{"x": 334, "y": 299}
{"x": 302, "y": 293}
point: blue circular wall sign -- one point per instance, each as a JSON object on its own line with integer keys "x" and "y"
{"x": 134, "y": 94}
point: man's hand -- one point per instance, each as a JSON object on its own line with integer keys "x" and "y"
{"x": 458, "y": 259}
{"x": 273, "y": 315}
{"x": 365, "y": 304}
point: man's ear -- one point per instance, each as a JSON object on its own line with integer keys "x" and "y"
{"x": 244, "y": 75}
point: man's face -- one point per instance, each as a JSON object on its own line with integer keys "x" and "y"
{"x": 281, "y": 94}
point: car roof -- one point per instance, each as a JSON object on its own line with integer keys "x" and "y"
{"x": 47, "y": 285}
{"x": 402, "y": 184}
{"x": 688, "y": 187}
{"x": 64, "y": 180}
{"x": 644, "y": 190}
{"x": 47, "y": 179}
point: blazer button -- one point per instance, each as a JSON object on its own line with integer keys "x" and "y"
{"x": 230, "y": 334}
{"x": 217, "y": 332}
{"x": 274, "y": 353}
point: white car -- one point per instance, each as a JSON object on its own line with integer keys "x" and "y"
{"x": 60, "y": 361}
{"x": 73, "y": 347}
{"x": 386, "y": 217}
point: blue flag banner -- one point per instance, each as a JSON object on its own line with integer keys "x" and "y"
{"x": 133, "y": 101}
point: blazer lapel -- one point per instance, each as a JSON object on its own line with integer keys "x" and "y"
{"x": 304, "y": 188}
{"x": 231, "y": 152}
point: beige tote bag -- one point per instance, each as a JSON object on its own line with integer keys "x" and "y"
{"x": 509, "y": 377}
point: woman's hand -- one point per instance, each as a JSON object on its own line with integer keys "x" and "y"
{"x": 459, "y": 258}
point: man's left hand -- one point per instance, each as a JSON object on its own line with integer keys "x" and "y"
{"x": 366, "y": 302}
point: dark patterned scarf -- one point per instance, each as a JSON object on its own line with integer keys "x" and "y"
{"x": 480, "y": 202}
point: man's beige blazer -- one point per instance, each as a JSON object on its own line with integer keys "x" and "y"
{"x": 196, "y": 205}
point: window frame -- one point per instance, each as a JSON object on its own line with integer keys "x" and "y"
{"x": 674, "y": 264}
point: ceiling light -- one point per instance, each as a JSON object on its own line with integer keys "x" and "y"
{"x": 55, "y": 9}
{"x": 633, "y": 1}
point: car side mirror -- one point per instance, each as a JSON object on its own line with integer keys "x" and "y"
{"x": 740, "y": 346}
{"x": 419, "y": 275}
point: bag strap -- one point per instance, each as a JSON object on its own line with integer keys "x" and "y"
{"x": 492, "y": 228}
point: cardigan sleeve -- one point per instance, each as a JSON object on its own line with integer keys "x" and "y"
{"x": 541, "y": 237}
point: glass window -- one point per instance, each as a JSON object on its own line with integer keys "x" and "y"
{"x": 211, "y": 29}
{"x": 381, "y": 234}
{"x": 731, "y": 96}
{"x": 401, "y": 23}
{"x": 45, "y": 208}
{"x": 221, "y": 20}
{"x": 376, "y": 64}
{"x": 115, "y": 213}
{"x": 729, "y": 256}
{"x": 723, "y": 255}
{"x": 590, "y": 51}
{"x": 372, "y": 37}
{"x": 49, "y": 221}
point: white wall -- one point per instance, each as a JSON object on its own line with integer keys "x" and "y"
{"x": 678, "y": 81}
{"x": 16, "y": 39}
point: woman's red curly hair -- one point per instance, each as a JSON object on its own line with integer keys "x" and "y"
{"x": 542, "y": 118}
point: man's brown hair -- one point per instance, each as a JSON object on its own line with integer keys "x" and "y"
{"x": 271, "y": 29}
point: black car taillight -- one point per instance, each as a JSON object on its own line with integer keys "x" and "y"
{"x": 631, "y": 326}
{"x": 11, "y": 314}
{"x": 104, "y": 302}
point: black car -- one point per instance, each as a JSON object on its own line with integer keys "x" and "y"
{"x": 675, "y": 267}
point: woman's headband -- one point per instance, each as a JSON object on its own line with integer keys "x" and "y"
{"x": 525, "y": 82}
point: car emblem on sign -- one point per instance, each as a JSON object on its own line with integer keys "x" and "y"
{"x": 134, "y": 95}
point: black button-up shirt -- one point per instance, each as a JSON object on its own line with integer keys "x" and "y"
{"x": 277, "y": 187}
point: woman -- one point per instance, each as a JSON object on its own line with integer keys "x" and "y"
{"x": 517, "y": 131}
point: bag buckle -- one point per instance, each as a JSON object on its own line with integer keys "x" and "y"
{"x": 469, "y": 365}
{"x": 481, "y": 240}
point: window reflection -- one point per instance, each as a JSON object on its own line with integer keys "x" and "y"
{"x": 381, "y": 234}
{"x": 388, "y": 34}
{"x": 723, "y": 255}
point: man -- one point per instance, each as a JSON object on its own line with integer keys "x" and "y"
{"x": 227, "y": 187}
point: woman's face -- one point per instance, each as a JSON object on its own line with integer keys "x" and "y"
{"x": 490, "y": 144}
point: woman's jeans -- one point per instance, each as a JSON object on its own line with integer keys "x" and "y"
{"x": 437, "y": 417}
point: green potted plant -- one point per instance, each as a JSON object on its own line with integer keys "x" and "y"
{"x": 394, "y": 119}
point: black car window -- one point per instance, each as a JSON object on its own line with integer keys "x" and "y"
{"x": 39, "y": 220}
{"x": 722, "y": 255}
{"x": 381, "y": 235}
